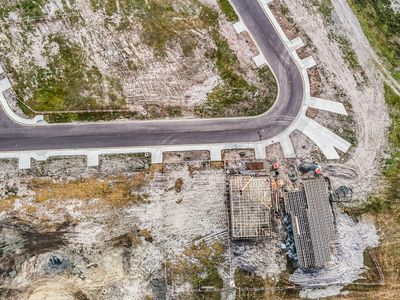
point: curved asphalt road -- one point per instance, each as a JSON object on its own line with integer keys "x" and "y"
{"x": 14, "y": 137}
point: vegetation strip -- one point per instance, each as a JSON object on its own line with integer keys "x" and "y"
{"x": 381, "y": 25}
{"x": 385, "y": 207}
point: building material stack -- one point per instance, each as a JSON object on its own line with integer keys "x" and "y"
{"x": 313, "y": 223}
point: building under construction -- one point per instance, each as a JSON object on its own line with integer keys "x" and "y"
{"x": 250, "y": 206}
{"x": 312, "y": 222}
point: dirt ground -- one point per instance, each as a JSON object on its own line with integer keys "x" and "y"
{"x": 65, "y": 236}
{"x": 167, "y": 218}
{"x": 121, "y": 70}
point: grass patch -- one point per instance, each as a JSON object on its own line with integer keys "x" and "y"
{"x": 199, "y": 266}
{"x": 7, "y": 203}
{"x": 245, "y": 279}
{"x": 154, "y": 112}
{"x": 26, "y": 8}
{"x": 91, "y": 116}
{"x": 69, "y": 83}
{"x": 348, "y": 53}
{"x": 113, "y": 191}
{"x": 161, "y": 22}
{"x": 235, "y": 96}
{"x": 381, "y": 25}
{"x": 325, "y": 8}
{"x": 228, "y": 10}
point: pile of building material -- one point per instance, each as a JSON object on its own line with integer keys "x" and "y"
{"x": 313, "y": 223}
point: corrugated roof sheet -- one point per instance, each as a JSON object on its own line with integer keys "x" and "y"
{"x": 313, "y": 223}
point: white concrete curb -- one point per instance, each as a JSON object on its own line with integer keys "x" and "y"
{"x": 4, "y": 86}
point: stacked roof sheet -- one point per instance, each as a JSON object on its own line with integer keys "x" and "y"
{"x": 313, "y": 223}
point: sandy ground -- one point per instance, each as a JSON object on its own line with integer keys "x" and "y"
{"x": 396, "y": 5}
{"x": 370, "y": 114}
{"x": 117, "y": 252}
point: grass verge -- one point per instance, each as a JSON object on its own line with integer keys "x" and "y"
{"x": 228, "y": 10}
{"x": 381, "y": 25}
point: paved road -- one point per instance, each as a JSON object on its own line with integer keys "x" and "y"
{"x": 149, "y": 133}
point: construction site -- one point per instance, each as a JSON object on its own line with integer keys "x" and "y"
{"x": 186, "y": 228}
{"x": 250, "y": 205}
{"x": 269, "y": 198}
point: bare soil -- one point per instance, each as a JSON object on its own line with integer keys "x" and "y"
{"x": 69, "y": 243}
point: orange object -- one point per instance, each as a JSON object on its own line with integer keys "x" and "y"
{"x": 273, "y": 185}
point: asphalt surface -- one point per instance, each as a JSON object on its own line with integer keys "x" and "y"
{"x": 14, "y": 137}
